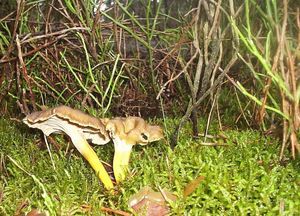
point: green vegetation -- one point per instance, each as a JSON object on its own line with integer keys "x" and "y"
{"x": 145, "y": 57}
{"x": 235, "y": 61}
{"x": 277, "y": 89}
{"x": 243, "y": 177}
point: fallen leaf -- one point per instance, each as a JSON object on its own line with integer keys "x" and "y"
{"x": 21, "y": 207}
{"x": 192, "y": 186}
{"x": 150, "y": 203}
{"x": 86, "y": 208}
{"x": 115, "y": 212}
{"x": 1, "y": 196}
{"x": 35, "y": 212}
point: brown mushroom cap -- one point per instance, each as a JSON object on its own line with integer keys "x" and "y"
{"x": 126, "y": 132}
{"x": 134, "y": 130}
{"x": 92, "y": 127}
{"x": 80, "y": 127}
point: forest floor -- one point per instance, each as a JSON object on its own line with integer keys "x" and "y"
{"x": 242, "y": 176}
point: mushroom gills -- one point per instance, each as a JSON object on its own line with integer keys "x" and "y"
{"x": 79, "y": 127}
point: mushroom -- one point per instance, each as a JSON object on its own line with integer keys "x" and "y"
{"x": 125, "y": 133}
{"x": 80, "y": 127}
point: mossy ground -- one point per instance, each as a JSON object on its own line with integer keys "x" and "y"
{"x": 243, "y": 178}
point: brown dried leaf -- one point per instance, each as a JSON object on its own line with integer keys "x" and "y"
{"x": 1, "y": 195}
{"x": 192, "y": 186}
{"x": 35, "y": 212}
{"x": 21, "y": 207}
{"x": 86, "y": 207}
{"x": 150, "y": 203}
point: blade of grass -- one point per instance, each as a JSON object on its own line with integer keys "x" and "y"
{"x": 47, "y": 199}
{"x": 138, "y": 38}
{"x": 249, "y": 43}
{"x": 80, "y": 82}
{"x": 256, "y": 100}
{"x": 90, "y": 71}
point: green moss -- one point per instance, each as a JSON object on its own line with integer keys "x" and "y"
{"x": 241, "y": 178}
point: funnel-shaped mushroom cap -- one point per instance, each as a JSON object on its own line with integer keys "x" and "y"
{"x": 134, "y": 130}
{"x": 79, "y": 127}
{"x": 58, "y": 119}
{"x": 126, "y": 132}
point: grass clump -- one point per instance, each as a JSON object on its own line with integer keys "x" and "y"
{"x": 242, "y": 178}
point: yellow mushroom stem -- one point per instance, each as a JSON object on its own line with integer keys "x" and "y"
{"x": 80, "y": 127}
{"x": 89, "y": 154}
{"x": 121, "y": 158}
